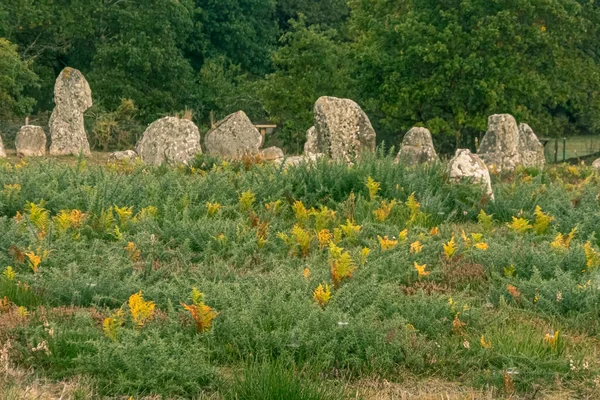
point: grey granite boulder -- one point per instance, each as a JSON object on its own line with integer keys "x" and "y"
{"x": 507, "y": 145}
{"x": 126, "y": 155}
{"x": 271, "y": 154}
{"x": 233, "y": 137}
{"x": 169, "y": 139}
{"x": 417, "y": 148}
{"x": 530, "y": 148}
{"x": 311, "y": 144}
{"x": 293, "y": 161}
{"x": 72, "y": 96}
{"x": 499, "y": 146}
{"x": 30, "y": 141}
{"x": 468, "y": 166}
{"x": 343, "y": 129}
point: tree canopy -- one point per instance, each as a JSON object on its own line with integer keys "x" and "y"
{"x": 15, "y": 76}
{"x": 446, "y": 65}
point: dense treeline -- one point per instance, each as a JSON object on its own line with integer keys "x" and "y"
{"x": 444, "y": 64}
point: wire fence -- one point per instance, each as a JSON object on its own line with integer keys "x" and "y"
{"x": 571, "y": 149}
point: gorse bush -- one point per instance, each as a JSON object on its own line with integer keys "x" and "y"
{"x": 160, "y": 280}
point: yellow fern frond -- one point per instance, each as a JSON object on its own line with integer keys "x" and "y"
{"x": 519, "y": 225}
{"x": 141, "y": 311}
{"x": 373, "y": 188}
{"x": 450, "y": 248}
{"x": 322, "y": 295}
{"x": 542, "y": 221}
{"x": 386, "y": 244}
{"x": 202, "y": 315}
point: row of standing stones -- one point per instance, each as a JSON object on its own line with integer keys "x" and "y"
{"x": 341, "y": 132}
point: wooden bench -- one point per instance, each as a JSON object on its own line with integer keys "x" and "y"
{"x": 263, "y": 128}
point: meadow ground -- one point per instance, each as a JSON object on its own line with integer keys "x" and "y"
{"x": 576, "y": 147}
{"x": 248, "y": 281}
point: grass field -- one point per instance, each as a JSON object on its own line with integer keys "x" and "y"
{"x": 246, "y": 281}
{"x": 575, "y": 147}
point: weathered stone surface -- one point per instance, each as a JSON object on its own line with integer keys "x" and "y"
{"x": 596, "y": 164}
{"x": 311, "y": 144}
{"x": 499, "y": 146}
{"x": 126, "y": 155}
{"x": 466, "y": 165}
{"x": 72, "y": 96}
{"x": 343, "y": 129}
{"x": 530, "y": 148}
{"x": 271, "y": 153}
{"x": 30, "y": 141}
{"x": 170, "y": 140}
{"x": 2, "y": 151}
{"x": 307, "y": 159}
{"x": 506, "y": 145}
{"x": 417, "y": 148}
{"x": 233, "y": 137}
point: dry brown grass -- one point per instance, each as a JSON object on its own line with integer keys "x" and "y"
{"x": 414, "y": 388}
{"x": 96, "y": 158}
{"x": 428, "y": 389}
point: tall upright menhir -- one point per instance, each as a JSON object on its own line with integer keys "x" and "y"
{"x": 72, "y": 96}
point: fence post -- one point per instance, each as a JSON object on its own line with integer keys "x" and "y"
{"x": 556, "y": 150}
{"x": 564, "y": 149}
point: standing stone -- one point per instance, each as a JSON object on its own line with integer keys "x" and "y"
{"x": 126, "y": 155}
{"x": 417, "y": 148}
{"x": 2, "y": 151}
{"x": 499, "y": 146}
{"x": 343, "y": 129}
{"x": 506, "y": 145}
{"x": 530, "y": 148}
{"x": 72, "y": 96}
{"x": 466, "y": 165}
{"x": 271, "y": 153}
{"x": 311, "y": 145}
{"x": 171, "y": 140}
{"x": 233, "y": 137}
{"x": 31, "y": 141}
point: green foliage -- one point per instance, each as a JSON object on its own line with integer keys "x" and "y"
{"x": 381, "y": 318}
{"x": 223, "y": 88}
{"x": 444, "y": 66}
{"x": 310, "y": 63}
{"x": 324, "y": 13}
{"x": 245, "y": 31}
{"x": 448, "y": 66}
{"x": 150, "y": 361}
{"x": 15, "y": 76}
{"x": 116, "y": 129}
{"x": 273, "y": 381}
{"x": 140, "y": 55}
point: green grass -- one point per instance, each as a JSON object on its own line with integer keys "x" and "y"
{"x": 576, "y": 147}
{"x": 379, "y": 322}
{"x": 274, "y": 381}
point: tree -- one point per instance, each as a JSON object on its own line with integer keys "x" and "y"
{"x": 50, "y": 34}
{"x": 139, "y": 55}
{"x": 244, "y": 31}
{"x": 223, "y": 89}
{"x": 449, "y": 64}
{"x": 15, "y": 76}
{"x": 310, "y": 63}
{"x": 325, "y": 13}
